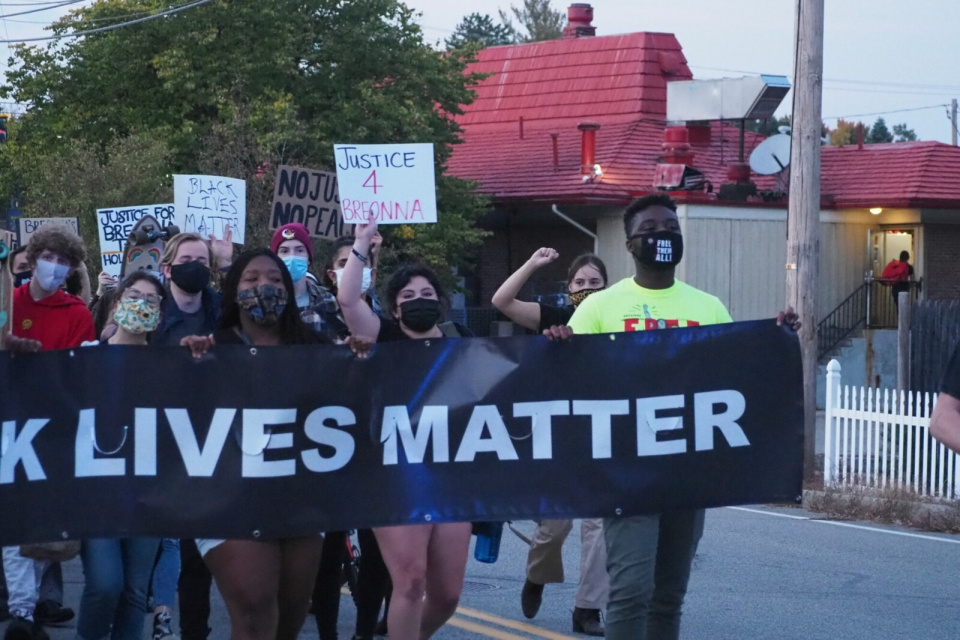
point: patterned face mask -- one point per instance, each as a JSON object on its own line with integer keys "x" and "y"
{"x": 580, "y": 296}
{"x": 137, "y": 316}
{"x": 264, "y": 304}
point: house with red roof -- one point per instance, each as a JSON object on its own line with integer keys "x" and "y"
{"x": 564, "y": 134}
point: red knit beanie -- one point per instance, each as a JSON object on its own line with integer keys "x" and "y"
{"x": 292, "y": 231}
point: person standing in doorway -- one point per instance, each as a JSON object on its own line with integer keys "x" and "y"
{"x": 898, "y": 275}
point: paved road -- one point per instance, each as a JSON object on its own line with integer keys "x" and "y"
{"x": 761, "y": 573}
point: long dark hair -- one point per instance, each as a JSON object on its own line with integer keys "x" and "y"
{"x": 587, "y": 259}
{"x": 290, "y": 326}
{"x": 402, "y": 278}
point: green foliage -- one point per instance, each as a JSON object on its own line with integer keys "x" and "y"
{"x": 538, "y": 18}
{"x": 769, "y": 127}
{"x": 237, "y": 87}
{"x": 879, "y": 133}
{"x": 480, "y": 29}
{"x": 903, "y": 133}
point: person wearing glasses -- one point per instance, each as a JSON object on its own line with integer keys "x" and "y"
{"x": 117, "y": 570}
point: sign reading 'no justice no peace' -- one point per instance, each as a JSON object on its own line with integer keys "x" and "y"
{"x": 389, "y": 183}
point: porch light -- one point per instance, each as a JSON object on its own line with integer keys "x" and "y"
{"x": 876, "y": 211}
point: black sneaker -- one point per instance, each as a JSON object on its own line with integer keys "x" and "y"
{"x": 587, "y": 621}
{"x": 162, "y": 627}
{"x": 19, "y": 629}
{"x": 53, "y": 613}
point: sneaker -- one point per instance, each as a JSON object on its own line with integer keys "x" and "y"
{"x": 162, "y": 627}
{"x": 50, "y": 612}
{"x": 23, "y": 629}
{"x": 587, "y": 621}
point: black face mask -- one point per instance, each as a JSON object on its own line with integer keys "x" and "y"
{"x": 659, "y": 250}
{"x": 191, "y": 277}
{"x": 420, "y": 314}
{"x": 22, "y": 278}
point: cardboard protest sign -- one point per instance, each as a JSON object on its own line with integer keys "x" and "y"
{"x": 29, "y": 226}
{"x": 392, "y": 183}
{"x": 309, "y": 197}
{"x": 211, "y": 204}
{"x": 115, "y": 225}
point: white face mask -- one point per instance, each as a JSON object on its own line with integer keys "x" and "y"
{"x": 367, "y": 278}
{"x": 50, "y": 275}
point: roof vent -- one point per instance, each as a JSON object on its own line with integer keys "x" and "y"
{"x": 750, "y": 98}
{"x": 579, "y": 17}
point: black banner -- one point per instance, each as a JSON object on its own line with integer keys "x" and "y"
{"x": 283, "y": 441}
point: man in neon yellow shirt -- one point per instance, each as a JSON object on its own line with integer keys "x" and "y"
{"x": 649, "y": 557}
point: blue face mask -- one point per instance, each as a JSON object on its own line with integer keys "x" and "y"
{"x": 297, "y": 266}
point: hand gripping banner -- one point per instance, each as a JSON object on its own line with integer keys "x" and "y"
{"x": 283, "y": 441}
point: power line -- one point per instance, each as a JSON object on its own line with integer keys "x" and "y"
{"x": 884, "y": 113}
{"x": 92, "y": 20}
{"x": 23, "y": 13}
{"x": 86, "y": 32}
{"x": 951, "y": 88}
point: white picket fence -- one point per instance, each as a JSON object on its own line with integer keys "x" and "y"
{"x": 881, "y": 439}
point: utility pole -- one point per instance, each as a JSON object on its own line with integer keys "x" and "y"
{"x": 803, "y": 221}
{"x": 953, "y": 122}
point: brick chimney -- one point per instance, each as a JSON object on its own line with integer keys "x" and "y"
{"x": 579, "y": 17}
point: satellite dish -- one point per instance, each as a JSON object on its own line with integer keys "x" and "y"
{"x": 771, "y": 156}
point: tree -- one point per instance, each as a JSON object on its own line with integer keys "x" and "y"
{"x": 482, "y": 30}
{"x": 539, "y": 19}
{"x": 879, "y": 132}
{"x": 768, "y": 127}
{"x": 846, "y": 133}
{"x": 904, "y": 134}
{"x": 283, "y": 80}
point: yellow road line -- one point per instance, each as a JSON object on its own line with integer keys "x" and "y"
{"x": 492, "y": 632}
{"x": 483, "y": 630}
{"x": 513, "y": 624}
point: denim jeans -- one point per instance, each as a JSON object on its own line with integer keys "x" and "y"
{"x": 116, "y": 572}
{"x": 649, "y": 560}
{"x": 166, "y": 574}
{"x": 23, "y": 577}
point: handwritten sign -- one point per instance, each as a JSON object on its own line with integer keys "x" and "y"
{"x": 115, "y": 226}
{"x": 392, "y": 183}
{"x": 309, "y": 197}
{"x": 211, "y": 204}
{"x": 29, "y": 226}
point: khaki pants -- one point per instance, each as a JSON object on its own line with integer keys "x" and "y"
{"x": 545, "y": 560}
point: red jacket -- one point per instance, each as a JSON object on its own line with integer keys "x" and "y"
{"x": 60, "y": 321}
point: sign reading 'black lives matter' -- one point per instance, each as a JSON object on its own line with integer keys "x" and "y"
{"x": 283, "y": 441}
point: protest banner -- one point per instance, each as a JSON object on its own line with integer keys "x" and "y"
{"x": 392, "y": 183}
{"x": 252, "y": 443}
{"x": 114, "y": 226}
{"x": 28, "y": 226}
{"x": 309, "y": 197}
{"x": 210, "y": 204}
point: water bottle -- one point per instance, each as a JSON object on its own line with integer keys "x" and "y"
{"x": 488, "y": 541}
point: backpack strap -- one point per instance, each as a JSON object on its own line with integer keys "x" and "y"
{"x": 449, "y": 330}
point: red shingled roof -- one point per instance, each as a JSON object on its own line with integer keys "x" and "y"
{"x": 620, "y": 83}
{"x": 899, "y": 174}
{"x": 607, "y": 79}
{"x": 510, "y": 168}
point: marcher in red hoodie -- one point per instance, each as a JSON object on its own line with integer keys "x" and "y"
{"x": 42, "y": 311}
{"x": 44, "y": 318}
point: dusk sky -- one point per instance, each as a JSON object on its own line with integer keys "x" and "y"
{"x": 879, "y": 55}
